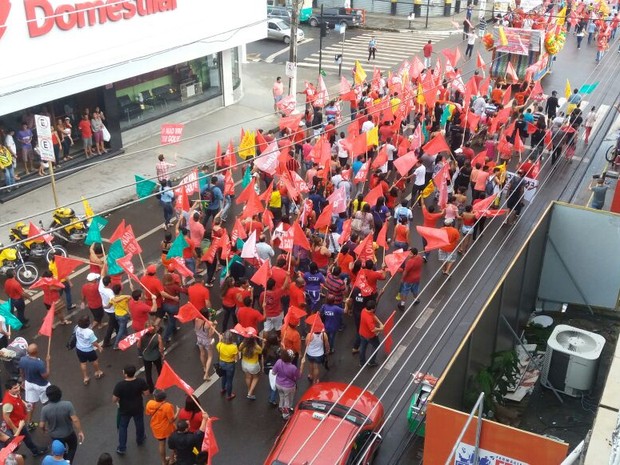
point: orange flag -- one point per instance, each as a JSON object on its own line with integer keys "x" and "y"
{"x": 299, "y": 236}
{"x": 395, "y": 260}
{"x": 238, "y": 232}
{"x": 405, "y": 163}
{"x": 325, "y": 218}
{"x": 262, "y": 274}
{"x": 188, "y": 312}
{"x": 365, "y": 250}
{"x": 382, "y": 236}
{"x": 381, "y": 158}
{"x": 118, "y": 232}
{"x": 65, "y": 265}
{"x": 315, "y": 323}
{"x": 388, "y": 328}
{"x": 209, "y": 444}
{"x": 168, "y": 378}
{"x": 480, "y": 62}
{"x": 246, "y": 193}
{"x": 435, "y": 145}
{"x": 435, "y": 238}
{"x": 506, "y": 97}
{"x": 373, "y": 195}
{"x": 48, "y": 322}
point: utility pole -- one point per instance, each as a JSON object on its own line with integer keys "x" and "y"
{"x": 292, "y": 54}
{"x": 323, "y": 31}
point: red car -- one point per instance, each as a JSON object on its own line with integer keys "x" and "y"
{"x": 350, "y": 437}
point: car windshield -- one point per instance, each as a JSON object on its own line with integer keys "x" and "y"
{"x": 281, "y": 24}
{"x": 338, "y": 410}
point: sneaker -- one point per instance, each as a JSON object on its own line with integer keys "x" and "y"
{"x": 40, "y": 451}
{"x": 355, "y": 351}
{"x": 398, "y": 297}
{"x": 32, "y": 426}
{"x": 251, "y": 397}
{"x": 372, "y": 364}
{"x": 120, "y": 452}
{"x": 416, "y": 301}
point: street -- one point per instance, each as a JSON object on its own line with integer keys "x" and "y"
{"x": 426, "y": 335}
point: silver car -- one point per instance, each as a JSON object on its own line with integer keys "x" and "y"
{"x": 279, "y": 30}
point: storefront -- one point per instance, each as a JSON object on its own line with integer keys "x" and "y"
{"x": 135, "y": 60}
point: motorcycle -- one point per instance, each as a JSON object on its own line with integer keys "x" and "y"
{"x": 34, "y": 249}
{"x": 67, "y": 227}
{"x": 11, "y": 259}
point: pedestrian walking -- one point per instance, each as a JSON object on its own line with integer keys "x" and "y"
{"x": 250, "y": 351}
{"x": 427, "y": 51}
{"x": 599, "y": 190}
{"x": 212, "y": 199}
{"x": 17, "y": 296}
{"x": 162, "y": 169}
{"x": 59, "y": 420}
{"x": 86, "y": 347}
{"x": 410, "y": 280}
{"x": 471, "y": 40}
{"x": 228, "y": 351}
{"x": 15, "y": 415}
{"x": 287, "y": 375}
{"x": 120, "y": 302}
{"x": 35, "y": 373}
{"x": 447, "y": 254}
{"x": 151, "y": 346}
{"x": 370, "y": 327}
{"x": 127, "y": 395}
{"x": 163, "y": 415}
{"x": 589, "y": 123}
{"x": 57, "y": 455}
{"x": 91, "y": 298}
{"x": 183, "y": 443}
{"x": 372, "y": 48}
{"x": 552, "y": 105}
{"x": 277, "y": 91}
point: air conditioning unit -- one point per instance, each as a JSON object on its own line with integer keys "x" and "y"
{"x": 571, "y": 360}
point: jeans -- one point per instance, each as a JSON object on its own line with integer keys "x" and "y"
{"x": 331, "y": 337}
{"x": 190, "y": 263}
{"x": 148, "y": 372}
{"x": 168, "y": 211}
{"x": 228, "y": 312}
{"x": 590, "y": 37}
{"x": 468, "y": 50}
{"x": 68, "y": 297}
{"x": 356, "y": 318}
{"x": 599, "y": 55}
{"x": 121, "y": 321}
{"x": 171, "y": 324}
{"x": 112, "y": 326}
{"x": 374, "y": 342}
{"x": 123, "y": 424}
{"x": 9, "y": 175}
{"x": 29, "y": 442}
{"x": 208, "y": 214}
{"x": 227, "y": 379}
{"x": 71, "y": 443}
{"x": 579, "y": 39}
{"x": 18, "y": 306}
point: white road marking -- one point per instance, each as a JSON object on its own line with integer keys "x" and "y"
{"x": 387, "y": 367}
{"x": 272, "y": 57}
{"x": 424, "y": 317}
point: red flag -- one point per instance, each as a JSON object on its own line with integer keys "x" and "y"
{"x": 365, "y": 250}
{"x": 388, "y": 327}
{"x": 506, "y": 97}
{"x": 362, "y": 284}
{"x": 395, "y": 260}
{"x": 338, "y": 200}
{"x": 359, "y": 145}
{"x": 247, "y": 192}
{"x": 48, "y": 322}
{"x": 226, "y": 245}
{"x": 268, "y": 160}
{"x": 382, "y": 236}
{"x": 229, "y": 184}
{"x": 537, "y": 91}
{"x": 405, "y": 163}
{"x": 346, "y": 231}
{"x": 480, "y": 62}
{"x": 118, "y": 232}
{"x": 325, "y": 218}
{"x": 229, "y": 158}
{"x": 252, "y": 207}
{"x": 261, "y": 143}
{"x": 182, "y": 200}
{"x": 291, "y": 122}
{"x": 300, "y": 236}
{"x": 362, "y": 174}
{"x": 188, "y": 312}
{"x": 238, "y": 232}
{"x": 381, "y": 158}
{"x": 262, "y": 274}
{"x": 266, "y": 196}
{"x": 435, "y": 145}
{"x": 481, "y": 206}
{"x": 168, "y": 378}
{"x": 315, "y": 323}
{"x": 10, "y": 448}
{"x": 65, "y": 265}
{"x": 127, "y": 266}
{"x": 518, "y": 144}
{"x": 511, "y": 73}
{"x": 344, "y": 85}
{"x": 132, "y": 339}
{"x": 46, "y": 282}
{"x": 435, "y": 237}
{"x": 442, "y": 175}
{"x": 452, "y": 56}
{"x": 209, "y": 255}
{"x": 209, "y": 443}
{"x": 178, "y": 265}
{"x": 34, "y": 231}
{"x": 129, "y": 241}
{"x": 534, "y": 170}
{"x": 219, "y": 159}
{"x": 531, "y": 128}
{"x": 373, "y": 195}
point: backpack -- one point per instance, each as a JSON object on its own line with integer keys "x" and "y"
{"x": 207, "y": 195}
{"x": 72, "y": 342}
{"x": 489, "y": 188}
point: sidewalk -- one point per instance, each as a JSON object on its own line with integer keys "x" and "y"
{"x": 385, "y": 22}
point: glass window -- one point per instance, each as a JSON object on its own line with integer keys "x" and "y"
{"x": 152, "y": 95}
{"x": 236, "y": 74}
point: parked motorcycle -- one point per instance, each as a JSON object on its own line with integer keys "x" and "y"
{"x": 34, "y": 249}
{"x": 67, "y": 227}
{"x": 11, "y": 259}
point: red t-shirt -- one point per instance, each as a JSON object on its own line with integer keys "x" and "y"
{"x": 413, "y": 269}
{"x": 194, "y": 419}
{"x": 453, "y": 237}
{"x": 90, "y": 293}
{"x": 189, "y": 251}
{"x": 372, "y": 277}
{"x": 13, "y": 289}
{"x": 85, "y": 129}
{"x": 153, "y": 284}
{"x": 430, "y": 219}
{"x": 230, "y": 298}
{"x": 297, "y": 295}
{"x": 248, "y": 316}
{"x": 367, "y": 324}
{"x": 401, "y": 233}
{"x": 197, "y": 293}
{"x": 50, "y": 295}
{"x": 279, "y": 276}
{"x": 173, "y": 290}
{"x": 428, "y": 50}
{"x": 270, "y": 300}
{"x": 139, "y": 313}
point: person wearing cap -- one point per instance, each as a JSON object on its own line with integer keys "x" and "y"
{"x": 91, "y": 298}
{"x": 250, "y": 350}
{"x": 287, "y": 375}
{"x": 153, "y": 284}
{"x": 140, "y": 310}
{"x": 59, "y": 420}
{"x": 163, "y": 415}
{"x": 447, "y": 253}
{"x": 57, "y": 455}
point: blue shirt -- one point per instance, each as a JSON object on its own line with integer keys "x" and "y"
{"x": 216, "y": 198}
{"x": 50, "y": 460}
{"x": 357, "y": 164}
{"x": 167, "y": 195}
{"x": 332, "y": 317}
{"x": 313, "y": 281}
{"x": 528, "y": 117}
{"x": 33, "y": 369}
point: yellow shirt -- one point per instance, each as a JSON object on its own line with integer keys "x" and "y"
{"x": 254, "y": 357}
{"x": 275, "y": 201}
{"x": 54, "y": 269}
{"x": 121, "y": 305}
{"x": 228, "y": 352}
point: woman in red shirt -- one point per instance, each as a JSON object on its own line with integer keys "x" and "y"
{"x": 171, "y": 294}
{"x": 231, "y": 296}
{"x": 401, "y": 235}
{"x": 191, "y": 413}
{"x": 319, "y": 254}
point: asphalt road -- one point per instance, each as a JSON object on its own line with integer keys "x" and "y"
{"x": 246, "y": 430}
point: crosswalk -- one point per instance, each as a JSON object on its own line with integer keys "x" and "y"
{"x": 392, "y": 49}
{"x": 585, "y": 106}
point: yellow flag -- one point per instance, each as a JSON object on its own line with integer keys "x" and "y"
{"x": 372, "y": 137}
{"x": 247, "y": 145}
{"x": 503, "y": 40}
{"x": 88, "y": 211}
{"x": 502, "y": 173}
{"x": 561, "y": 19}
{"x": 428, "y": 190}
{"x": 603, "y": 7}
{"x": 567, "y": 89}
{"x": 360, "y": 74}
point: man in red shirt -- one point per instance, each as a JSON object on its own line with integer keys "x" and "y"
{"x": 140, "y": 311}
{"x": 370, "y": 326}
{"x": 297, "y": 293}
{"x": 14, "y": 414}
{"x": 270, "y": 301}
{"x": 428, "y": 51}
{"x": 410, "y": 281}
{"x": 91, "y": 298}
{"x": 15, "y": 292}
{"x": 153, "y": 284}
{"x": 430, "y": 221}
{"x": 249, "y": 316}
{"x": 372, "y": 276}
{"x": 447, "y": 253}
{"x": 189, "y": 252}
{"x": 199, "y": 296}
{"x": 87, "y": 135}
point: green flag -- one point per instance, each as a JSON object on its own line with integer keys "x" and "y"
{"x": 116, "y": 251}
{"x": 94, "y": 230}
{"x": 224, "y": 273}
{"x": 247, "y": 177}
{"x": 588, "y": 88}
{"x": 144, "y": 187}
{"x": 203, "y": 180}
{"x": 239, "y": 244}
{"x": 176, "y": 249}
{"x": 11, "y": 320}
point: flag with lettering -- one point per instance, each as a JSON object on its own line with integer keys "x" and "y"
{"x": 362, "y": 284}
{"x": 127, "y": 265}
{"x": 178, "y": 265}
{"x": 268, "y": 160}
{"x": 338, "y": 200}
{"x": 365, "y": 250}
{"x": 168, "y": 378}
{"x": 10, "y": 448}
{"x": 395, "y": 260}
{"x": 129, "y": 241}
{"x": 132, "y": 339}
{"x": 238, "y": 231}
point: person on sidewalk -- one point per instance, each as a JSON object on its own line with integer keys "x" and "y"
{"x": 59, "y": 420}
{"x": 127, "y": 395}
{"x": 598, "y": 189}
{"x": 372, "y": 48}
{"x": 162, "y": 168}
{"x": 589, "y": 123}
{"x": 277, "y": 91}
{"x": 471, "y": 40}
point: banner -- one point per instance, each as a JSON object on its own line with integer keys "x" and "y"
{"x": 531, "y": 186}
{"x": 44, "y": 137}
{"x": 171, "y": 133}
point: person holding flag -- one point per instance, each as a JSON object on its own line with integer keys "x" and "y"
{"x": 370, "y": 327}
{"x": 86, "y": 347}
{"x": 151, "y": 347}
{"x": 410, "y": 280}
{"x": 182, "y": 443}
{"x": 63, "y": 279}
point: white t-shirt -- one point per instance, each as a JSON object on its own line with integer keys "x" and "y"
{"x": 84, "y": 338}
{"x": 106, "y": 295}
{"x": 471, "y": 38}
{"x": 420, "y": 175}
{"x": 367, "y": 126}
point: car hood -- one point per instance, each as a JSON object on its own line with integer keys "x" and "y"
{"x": 301, "y": 425}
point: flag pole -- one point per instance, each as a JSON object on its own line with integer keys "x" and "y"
{"x": 142, "y": 262}
{"x": 49, "y": 345}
